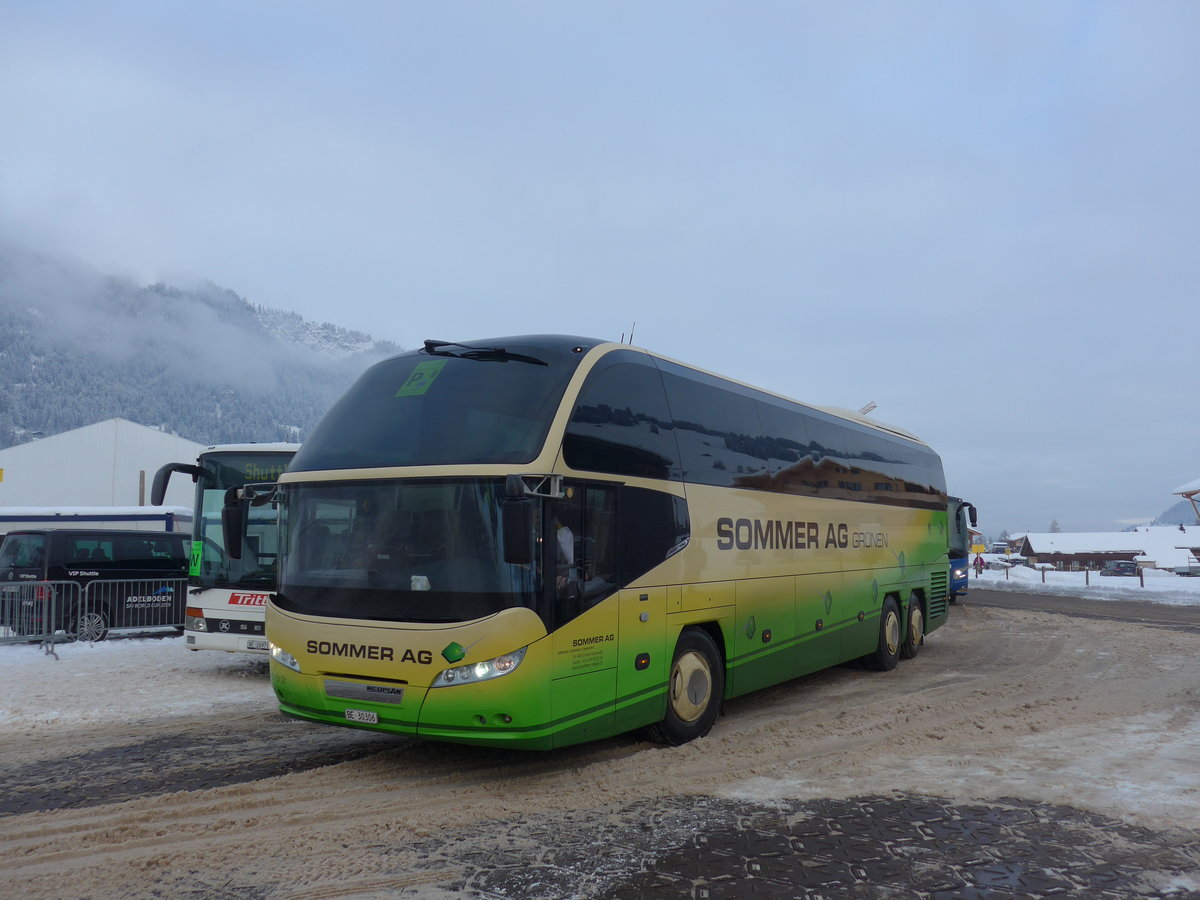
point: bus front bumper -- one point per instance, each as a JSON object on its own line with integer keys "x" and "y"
{"x": 492, "y": 714}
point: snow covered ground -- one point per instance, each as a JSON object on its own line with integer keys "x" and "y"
{"x": 1158, "y": 587}
{"x": 132, "y": 678}
{"x": 1094, "y": 714}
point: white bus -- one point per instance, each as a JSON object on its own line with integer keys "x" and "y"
{"x": 227, "y": 597}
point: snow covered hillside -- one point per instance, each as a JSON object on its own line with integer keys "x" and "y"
{"x": 201, "y": 362}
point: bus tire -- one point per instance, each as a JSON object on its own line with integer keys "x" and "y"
{"x": 887, "y": 652}
{"x": 695, "y": 689}
{"x": 91, "y": 624}
{"x": 914, "y": 634}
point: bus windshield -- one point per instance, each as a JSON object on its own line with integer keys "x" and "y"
{"x": 211, "y": 567}
{"x": 446, "y": 405}
{"x": 414, "y": 551}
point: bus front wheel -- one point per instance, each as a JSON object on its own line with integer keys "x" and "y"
{"x": 887, "y": 652}
{"x": 914, "y": 635}
{"x": 694, "y": 689}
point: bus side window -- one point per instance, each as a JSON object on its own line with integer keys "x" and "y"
{"x": 654, "y": 526}
{"x": 600, "y": 570}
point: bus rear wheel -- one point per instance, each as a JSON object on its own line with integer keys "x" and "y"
{"x": 914, "y": 635}
{"x": 887, "y": 652}
{"x": 694, "y": 689}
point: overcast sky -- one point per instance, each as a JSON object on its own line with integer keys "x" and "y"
{"x": 983, "y": 217}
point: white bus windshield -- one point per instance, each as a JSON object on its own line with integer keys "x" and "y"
{"x": 211, "y": 566}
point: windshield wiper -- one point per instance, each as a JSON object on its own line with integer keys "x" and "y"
{"x": 256, "y": 579}
{"x": 486, "y": 354}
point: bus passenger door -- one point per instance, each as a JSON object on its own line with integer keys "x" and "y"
{"x": 643, "y": 657}
{"x": 580, "y": 552}
{"x": 583, "y": 676}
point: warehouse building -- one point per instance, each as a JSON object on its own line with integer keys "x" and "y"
{"x": 109, "y": 464}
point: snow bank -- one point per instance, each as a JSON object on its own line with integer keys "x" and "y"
{"x": 1160, "y": 587}
{"x": 130, "y": 679}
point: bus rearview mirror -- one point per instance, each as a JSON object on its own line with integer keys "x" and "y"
{"x": 516, "y": 519}
{"x": 233, "y": 523}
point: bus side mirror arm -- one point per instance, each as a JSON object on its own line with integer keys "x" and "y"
{"x": 549, "y": 486}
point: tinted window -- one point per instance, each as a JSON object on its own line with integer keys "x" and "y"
{"x": 89, "y": 550}
{"x": 717, "y": 428}
{"x": 747, "y": 438}
{"x": 896, "y": 470}
{"x": 801, "y": 461}
{"x": 621, "y": 423}
{"x": 430, "y": 409}
{"x": 413, "y": 550}
{"x": 136, "y": 552}
{"x": 23, "y": 551}
{"x": 654, "y": 526}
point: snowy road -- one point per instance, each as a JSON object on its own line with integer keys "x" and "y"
{"x": 189, "y": 781}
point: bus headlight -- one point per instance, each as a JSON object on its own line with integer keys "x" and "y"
{"x": 284, "y": 658}
{"x": 960, "y": 573}
{"x": 193, "y": 619}
{"x": 480, "y": 671}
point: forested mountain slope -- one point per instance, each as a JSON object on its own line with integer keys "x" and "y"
{"x": 77, "y": 347}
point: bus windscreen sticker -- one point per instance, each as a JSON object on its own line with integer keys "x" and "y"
{"x": 197, "y": 551}
{"x": 421, "y": 378}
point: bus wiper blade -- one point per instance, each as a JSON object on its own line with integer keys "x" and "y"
{"x": 486, "y": 354}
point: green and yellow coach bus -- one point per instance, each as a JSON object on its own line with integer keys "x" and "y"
{"x": 536, "y": 541}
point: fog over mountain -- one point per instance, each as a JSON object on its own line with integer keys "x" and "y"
{"x": 1182, "y": 513}
{"x": 78, "y": 347}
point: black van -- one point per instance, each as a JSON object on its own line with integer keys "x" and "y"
{"x": 88, "y": 581}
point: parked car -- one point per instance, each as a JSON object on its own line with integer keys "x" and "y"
{"x": 1120, "y": 567}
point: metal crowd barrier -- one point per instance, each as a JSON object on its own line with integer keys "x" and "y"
{"x": 33, "y": 611}
{"x": 57, "y": 611}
